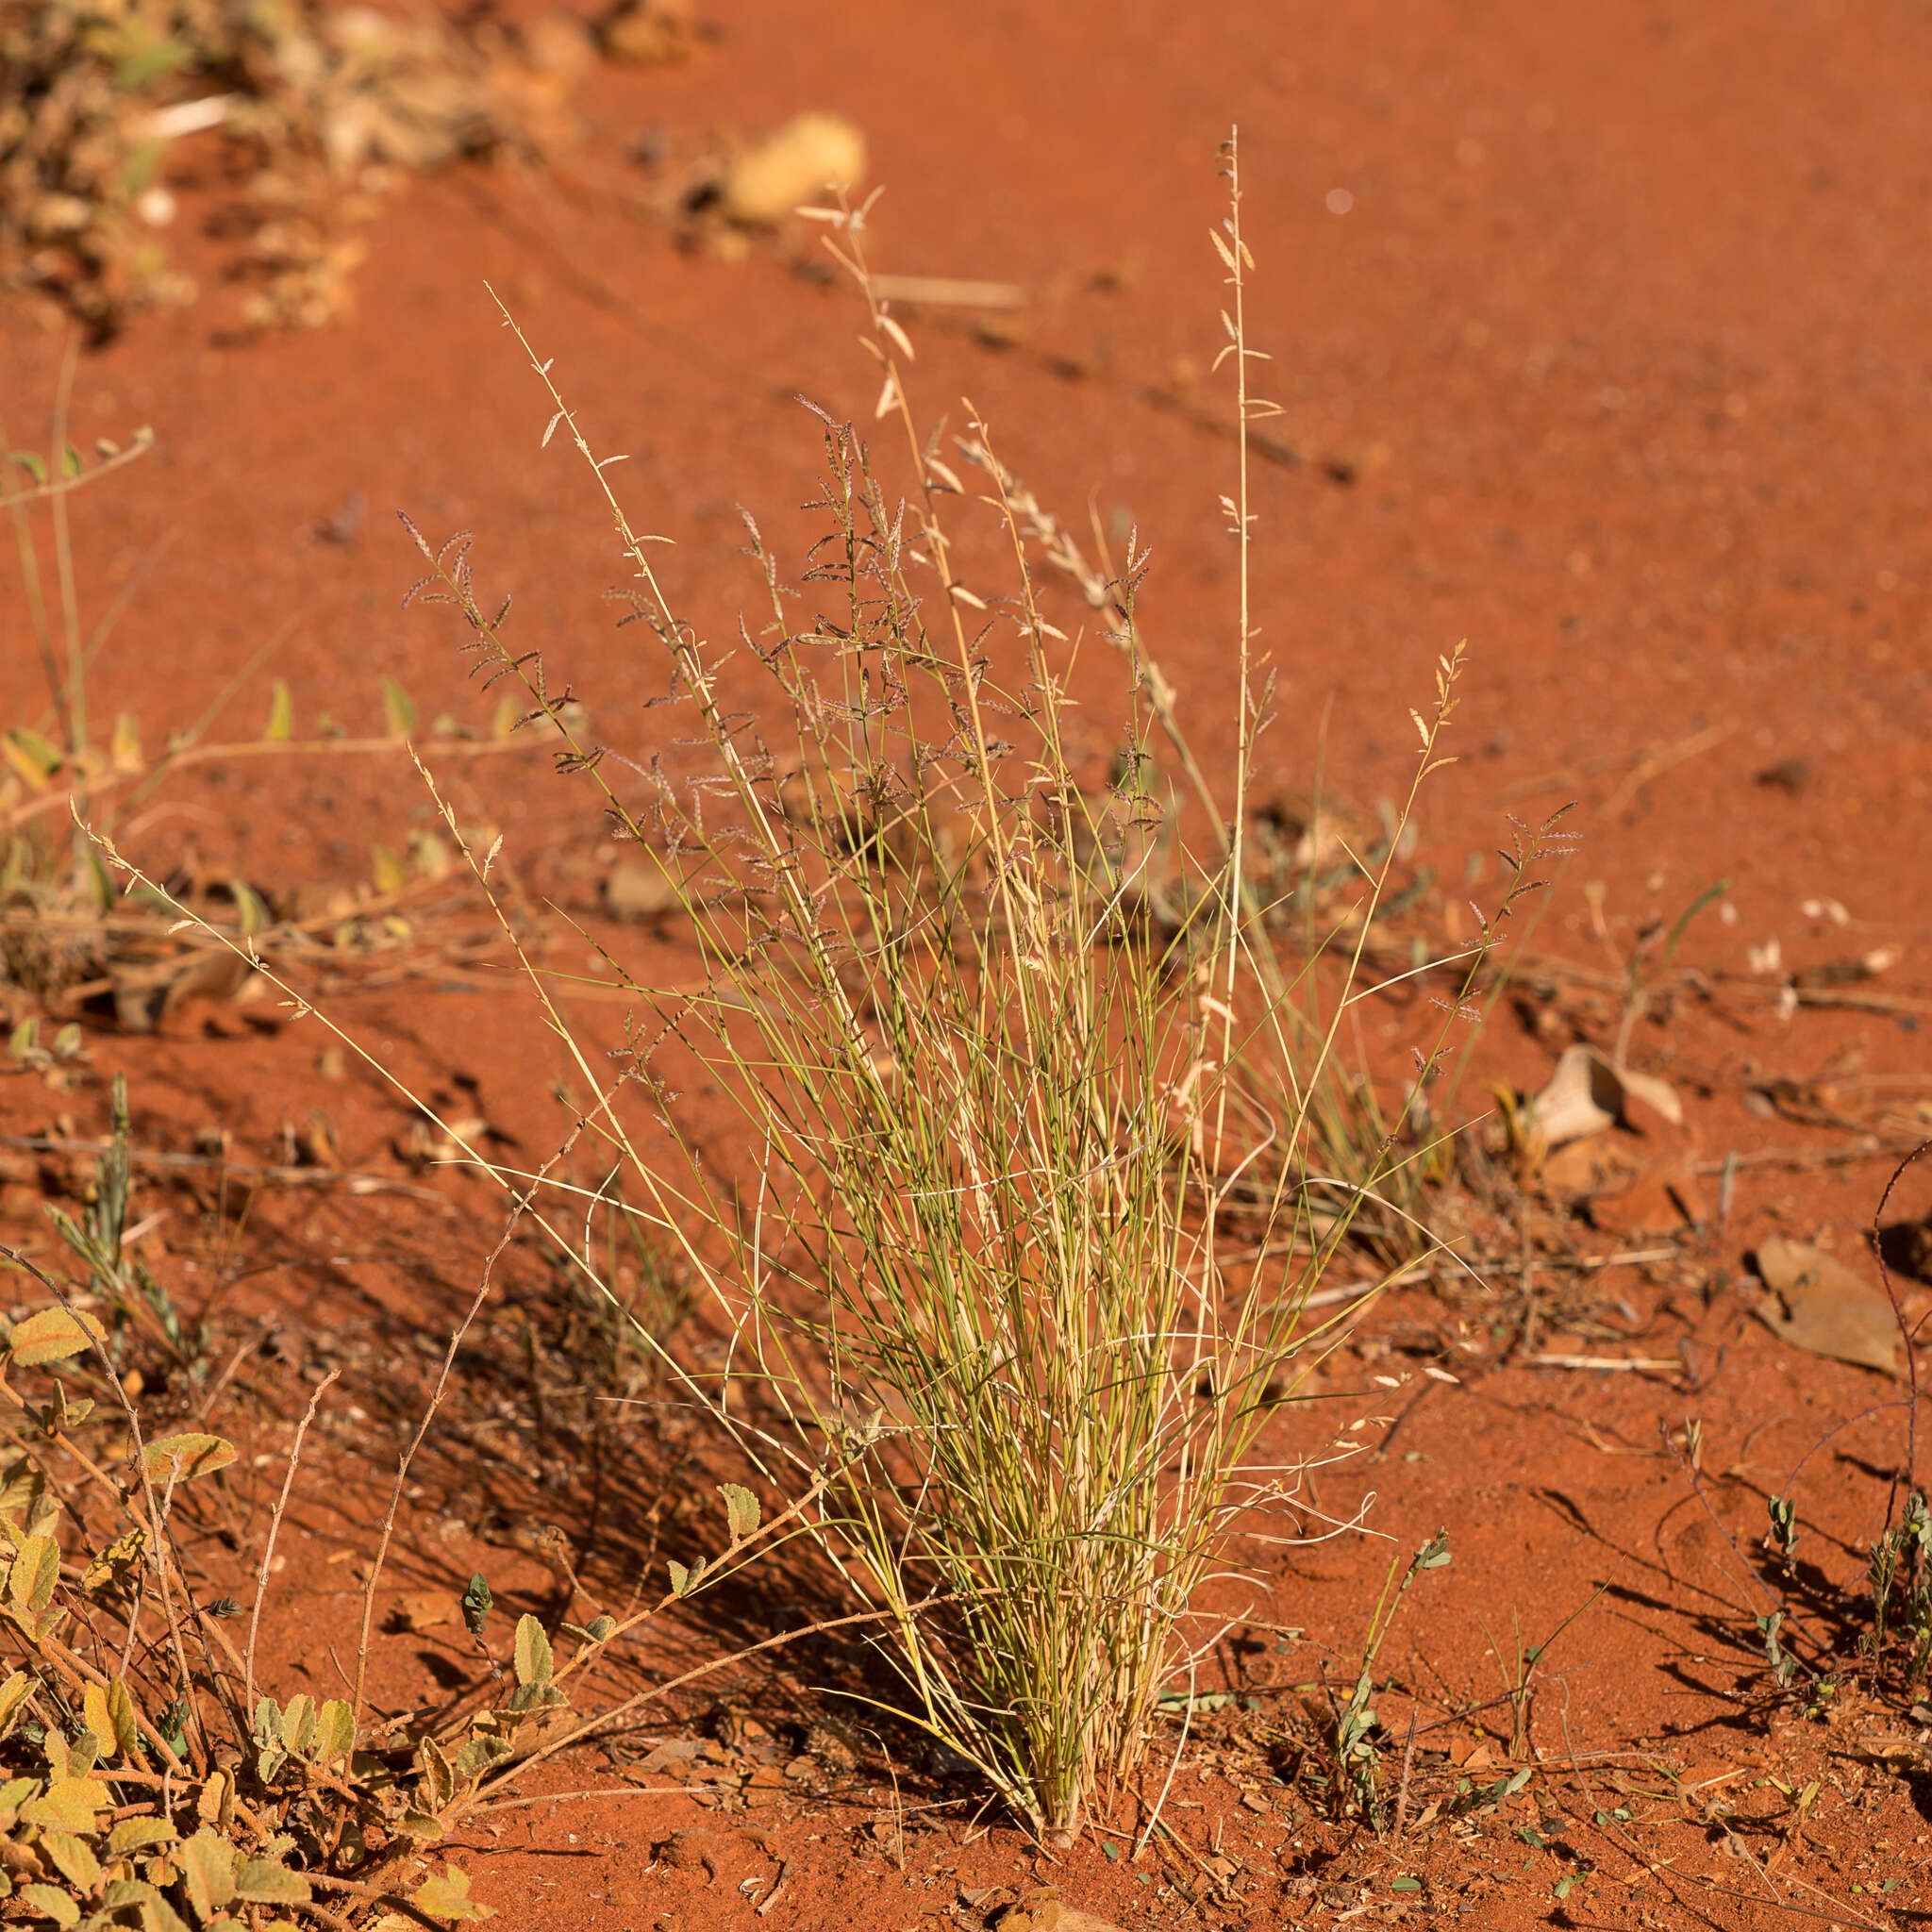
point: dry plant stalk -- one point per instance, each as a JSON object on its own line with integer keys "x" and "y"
{"x": 63, "y": 939}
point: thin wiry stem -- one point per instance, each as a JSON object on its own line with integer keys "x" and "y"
{"x": 275, "y": 1529}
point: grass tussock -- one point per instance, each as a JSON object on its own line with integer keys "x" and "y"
{"x": 1040, "y": 1163}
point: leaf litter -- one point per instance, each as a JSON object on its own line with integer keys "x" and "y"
{"x": 1818, "y": 1305}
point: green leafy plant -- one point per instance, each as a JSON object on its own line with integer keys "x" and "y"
{"x": 1520, "y": 1669}
{"x": 119, "y": 1278}
{"x": 1900, "y": 1573}
{"x": 1356, "y": 1753}
{"x": 1650, "y": 961}
{"x": 145, "y": 1780}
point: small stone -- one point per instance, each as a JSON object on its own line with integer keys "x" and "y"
{"x": 642, "y": 888}
{"x": 1788, "y": 775}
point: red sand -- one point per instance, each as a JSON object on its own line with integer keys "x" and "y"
{"x": 1620, "y": 339}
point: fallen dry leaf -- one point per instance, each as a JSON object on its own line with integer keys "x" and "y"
{"x": 1584, "y": 1166}
{"x": 1586, "y": 1094}
{"x": 424, "y": 1610}
{"x": 1040, "y": 1910}
{"x": 1822, "y": 1307}
{"x": 1637, "y": 1181}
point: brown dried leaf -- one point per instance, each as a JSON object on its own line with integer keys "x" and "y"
{"x": 181, "y": 1459}
{"x": 1822, "y": 1307}
{"x": 1586, "y": 1094}
{"x": 425, "y": 1610}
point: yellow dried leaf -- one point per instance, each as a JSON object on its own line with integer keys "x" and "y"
{"x": 298, "y": 1722}
{"x": 74, "y": 1857}
{"x": 387, "y": 870}
{"x": 31, "y": 755}
{"x": 448, "y": 1897}
{"x": 124, "y": 750}
{"x": 52, "y": 1902}
{"x": 431, "y": 858}
{"x": 12, "y": 1695}
{"x": 93, "y": 1705}
{"x": 533, "y": 1657}
{"x": 335, "y": 1730}
{"x": 32, "y": 1574}
{"x": 138, "y": 1834}
{"x": 261, "y": 1882}
{"x": 52, "y": 1336}
{"x": 183, "y": 1458}
{"x": 114, "y": 1561}
{"x": 69, "y": 1804}
{"x": 121, "y": 1715}
{"x": 208, "y": 1868}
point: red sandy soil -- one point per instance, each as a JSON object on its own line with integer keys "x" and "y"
{"x": 1612, "y": 365}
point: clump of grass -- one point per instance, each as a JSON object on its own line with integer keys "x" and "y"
{"x": 996, "y": 1118}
